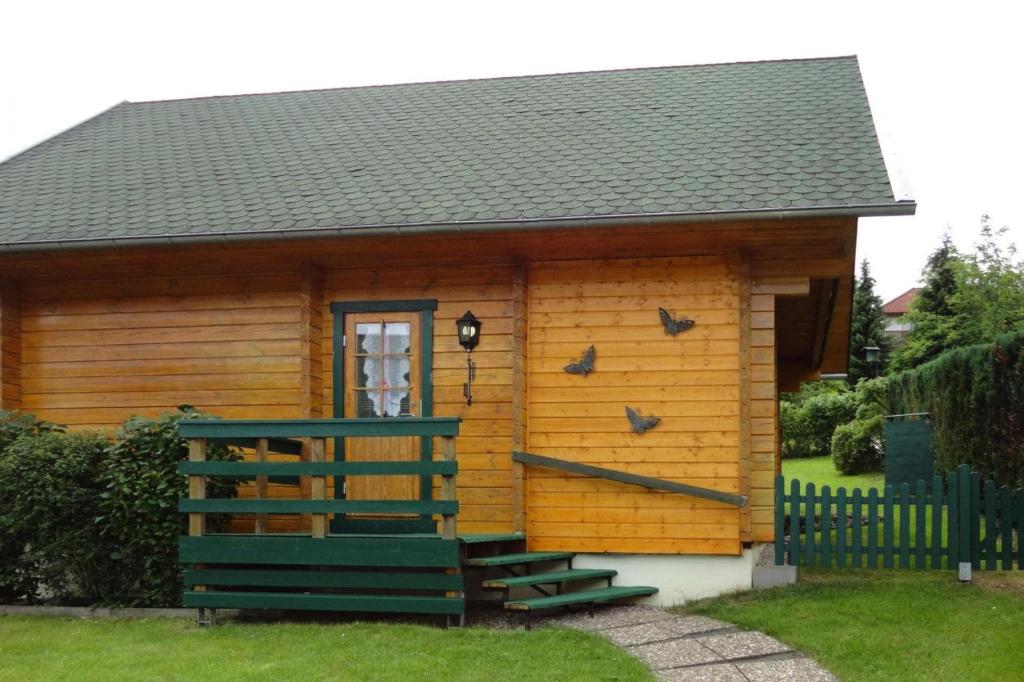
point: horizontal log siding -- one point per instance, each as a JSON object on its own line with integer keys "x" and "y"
{"x": 484, "y": 446}
{"x": 97, "y": 351}
{"x": 10, "y": 347}
{"x": 764, "y": 435}
{"x": 692, "y": 381}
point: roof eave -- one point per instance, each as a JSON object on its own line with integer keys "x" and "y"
{"x": 899, "y": 208}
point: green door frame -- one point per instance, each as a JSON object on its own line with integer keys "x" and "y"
{"x": 425, "y": 524}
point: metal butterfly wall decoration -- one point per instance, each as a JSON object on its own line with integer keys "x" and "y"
{"x": 583, "y": 366}
{"x": 672, "y": 325}
{"x": 639, "y": 422}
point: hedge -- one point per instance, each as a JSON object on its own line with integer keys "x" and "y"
{"x": 91, "y": 518}
{"x": 975, "y": 395}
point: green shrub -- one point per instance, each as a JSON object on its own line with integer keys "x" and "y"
{"x": 139, "y": 503}
{"x": 14, "y": 424}
{"x": 859, "y": 446}
{"x": 809, "y": 418}
{"x": 975, "y": 395}
{"x": 88, "y": 519}
{"x": 49, "y": 482}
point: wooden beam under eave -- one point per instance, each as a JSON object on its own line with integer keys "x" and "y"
{"x": 10, "y": 346}
{"x": 782, "y": 286}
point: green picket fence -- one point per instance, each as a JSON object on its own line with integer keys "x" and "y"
{"x": 931, "y": 524}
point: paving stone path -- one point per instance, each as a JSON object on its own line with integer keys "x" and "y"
{"x": 695, "y": 648}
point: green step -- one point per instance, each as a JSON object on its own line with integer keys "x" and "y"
{"x": 521, "y": 558}
{"x": 581, "y": 597}
{"x": 550, "y": 578}
{"x": 477, "y": 538}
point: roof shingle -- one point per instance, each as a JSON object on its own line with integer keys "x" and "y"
{"x": 746, "y": 137}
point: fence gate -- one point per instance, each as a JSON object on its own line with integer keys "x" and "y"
{"x": 957, "y": 523}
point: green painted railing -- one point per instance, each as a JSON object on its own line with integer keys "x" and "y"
{"x": 408, "y": 573}
{"x": 942, "y": 523}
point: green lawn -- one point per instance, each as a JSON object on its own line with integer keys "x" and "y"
{"x": 887, "y": 625}
{"x": 821, "y": 471}
{"x": 45, "y": 648}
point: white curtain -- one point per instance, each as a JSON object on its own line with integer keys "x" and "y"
{"x": 386, "y": 374}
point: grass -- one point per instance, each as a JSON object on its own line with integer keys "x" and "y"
{"x": 49, "y": 648}
{"x": 820, "y": 471}
{"x": 875, "y": 625}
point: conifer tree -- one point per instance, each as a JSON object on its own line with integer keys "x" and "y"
{"x": 867, "y": 328}
{"x": 932, "y": 312}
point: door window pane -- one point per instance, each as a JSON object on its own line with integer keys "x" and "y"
{"x": 383, "y": 369}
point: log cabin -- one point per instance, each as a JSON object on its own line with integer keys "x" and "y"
{"x": 649, "y": 256}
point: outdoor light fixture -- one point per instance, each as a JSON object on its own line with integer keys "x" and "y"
{"x": 469, "y": 335}
{"x": 872, "y": 354}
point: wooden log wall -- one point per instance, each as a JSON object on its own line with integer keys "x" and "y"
{"x": 692, "y": 381}
{"x": 10, "y": 346}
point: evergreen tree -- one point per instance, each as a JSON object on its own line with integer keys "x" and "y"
{"x": 867, "y": 328}
{"x": 932, "y": 312}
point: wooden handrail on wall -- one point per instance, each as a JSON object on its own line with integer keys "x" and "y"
{"x": 631, "y": 479}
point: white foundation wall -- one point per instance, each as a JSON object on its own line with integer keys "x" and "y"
{"x": 679, "y": 578}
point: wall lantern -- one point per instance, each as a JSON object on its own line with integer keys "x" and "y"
{"x": 469, "y": 335}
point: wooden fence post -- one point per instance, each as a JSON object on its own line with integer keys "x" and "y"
{"x": 963, "y": 484}
{"x": 318, "y": 487}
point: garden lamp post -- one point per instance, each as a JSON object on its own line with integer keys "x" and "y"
{"x": 872, "y": 355}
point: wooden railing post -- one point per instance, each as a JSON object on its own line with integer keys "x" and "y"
{"x": 197, "y": 520}
{"x": 262, "y": 447}
{"x": 197, "y": 486}
{"x": 448, "y": 529}
{"x": 318, "y": 487}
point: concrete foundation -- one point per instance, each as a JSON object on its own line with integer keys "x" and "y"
{"x": 679, "y": 578}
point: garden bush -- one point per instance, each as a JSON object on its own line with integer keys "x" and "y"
{"x": 809, "y": 418}
{"x": 90, "y": 518}
{"x": 139, "y": 503}
{"x": 49, "y": 484}
{"x": 975, "y": 395}
{"x": 859, "y": 446}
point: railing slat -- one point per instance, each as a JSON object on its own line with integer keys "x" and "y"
{"x": 1019, "y": 495}
{"x": 319, "y": 428}
{"x": 920, "y": 530}
{"x": 278, "y": 506}
{"x": 383, "y": 468}
{"x": 935, "y": 537}
{"x": 953, "y": 521}
{"x": 794, "y": 522}
{"x": 811, "y": 514}
{"x": 1006, "y": 526}
{"x": 841, "y": 527}
{"x": 905, "y": 525}
{"x": 780, "y": 520}
{"x": 873, "y": 528}
{"x": 975, "y": 514}
{"x": 826, "y": 525}
{"x": 858, "y": 511}
{"x": 989, "y": 545}
{"x": 888, "y": 528}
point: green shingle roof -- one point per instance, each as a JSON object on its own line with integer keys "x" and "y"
{"x": 730, "y": 139}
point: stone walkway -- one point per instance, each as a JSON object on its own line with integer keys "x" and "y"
{"x": 695, "y": 648}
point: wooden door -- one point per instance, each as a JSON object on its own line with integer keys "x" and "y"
{"x": 382, "y": 371}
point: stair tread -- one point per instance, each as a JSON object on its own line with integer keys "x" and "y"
{"x": 581, "y": 597}
{"x": 477, "y": 538}
{"x": 552, "y": 577}
{"x": 520, "y": 558}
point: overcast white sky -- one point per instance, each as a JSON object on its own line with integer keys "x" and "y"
{"x": 945, "y": 86}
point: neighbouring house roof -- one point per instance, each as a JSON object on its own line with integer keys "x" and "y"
{"x": 759, "y": 139}
{"x": 901, "y": 304}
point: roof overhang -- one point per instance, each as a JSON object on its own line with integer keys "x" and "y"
{"x": 898, "y": 208}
